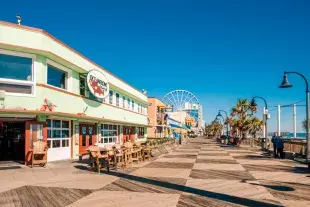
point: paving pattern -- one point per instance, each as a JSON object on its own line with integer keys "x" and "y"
{"x": 198, "y": 173}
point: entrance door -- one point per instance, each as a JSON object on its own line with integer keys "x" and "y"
{"x": 132, "y": 134}
{"x": 87, "y": 137}
{"x": 124, "y": 134}
{"x": 12, "y": 141}
{"x": 34, "y": 131}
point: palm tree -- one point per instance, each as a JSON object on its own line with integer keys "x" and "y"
{"x": 304, "y": 124}
{"x": 256, "y": 125}
{"x": 241, "y": 115}
{"x": 214, "y": 129}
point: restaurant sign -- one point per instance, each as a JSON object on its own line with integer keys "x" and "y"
{"x": 97, "y": 83}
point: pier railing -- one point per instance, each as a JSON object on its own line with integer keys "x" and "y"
{"x": 297, "y": 146}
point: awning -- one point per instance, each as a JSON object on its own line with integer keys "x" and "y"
{"x": 175, "y": 126}
{"x": 8, "y": 112}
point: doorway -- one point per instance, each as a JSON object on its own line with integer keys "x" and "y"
{"x": 87, "y": 137}
{"x": 129, "y": 134}
{"x": 125, "y": 134}
{"x": 12, "y": 141}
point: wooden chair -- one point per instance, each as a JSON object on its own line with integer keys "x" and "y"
{"x": 146, "y": 152}
{"x": 111, "y": 158}
{"x": 128, "y": 153}
{"x": 39, "y": 150}
{"x": 119, "y": 155}
{"x": 97, "y": 158}
{"x": 136, "y": 153}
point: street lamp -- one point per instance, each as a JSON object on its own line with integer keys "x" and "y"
{"x": 265, "y": 112}
{"x": 217, "y": 120}
{"x": 286, "y": 84}
{"x": 220, "y": 115}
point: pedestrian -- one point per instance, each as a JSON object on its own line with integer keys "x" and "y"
{"x": 274, "y": 141}
{"x": 280, "y": 146}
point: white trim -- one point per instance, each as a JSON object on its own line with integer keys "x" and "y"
{"x": 61, "y": 118}
{"x": 63, "y": 68}
{"x": 16, "y": 82}
{"x": 21, "y": 82}
{"x": 18, "y": 54}
{"x": 17, "y": 116}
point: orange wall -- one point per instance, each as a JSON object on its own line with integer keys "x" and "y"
{"x": 151, "y": 112}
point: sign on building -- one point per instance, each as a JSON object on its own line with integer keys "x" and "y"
{"x": 97, "y": 83}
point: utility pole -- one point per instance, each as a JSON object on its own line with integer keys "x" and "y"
{"x": 279, "y": 120}
{"x": 264, "y": 120}
{"x": 294, "y": 120}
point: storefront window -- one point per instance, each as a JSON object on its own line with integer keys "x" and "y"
{"x": 16, "y": 74}
{"x": 56, "y": 77}
{"x": 117, "y": 99}
{"x": 109, "y": 133}
{"x": 111, "y": 97}
{"x": 58, "y": 133}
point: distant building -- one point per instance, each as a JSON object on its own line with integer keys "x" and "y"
{"x": 158, "y": 119}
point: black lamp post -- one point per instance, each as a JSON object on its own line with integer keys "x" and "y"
{"x": 286, "y": 84}
{"x": 265, "y": 112}
{"x": 217, "y": 120}
{"x": 220, "y": 115}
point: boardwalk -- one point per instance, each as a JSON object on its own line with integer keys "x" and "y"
{"x": 200, "y": 173}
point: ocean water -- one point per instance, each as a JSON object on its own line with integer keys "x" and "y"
{"x": 298, "y": 135}
{"x": 290, "y": 135}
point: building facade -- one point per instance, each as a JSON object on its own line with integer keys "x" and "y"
{"x": 50, "y": 92}
{"x": 159, "y": 126}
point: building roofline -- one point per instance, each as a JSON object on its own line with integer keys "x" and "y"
{"x": 43, "y": 32}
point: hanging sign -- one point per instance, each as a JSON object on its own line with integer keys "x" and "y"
{"x": 97, "y": 83}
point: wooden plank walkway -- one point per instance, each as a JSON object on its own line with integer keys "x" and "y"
{"x": 199, "y": 173}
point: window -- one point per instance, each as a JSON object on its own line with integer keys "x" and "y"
{"x": 84, "y": 91}
{"x": 128, "y": 103}
{"x": 109, "y": 133}
{"x": 117, "y": 99}
{"x": 56, "y": 77}
{"x": 58, "y": 133}
{"x": 140, "y": 131}
{"x": 16, "y": 72}
{"x": 111, "y": 97}
{"x": 138, "y": 108}
{"x": 124, "y": 102}
{"x": 133, "y": 105}
{"x": 144, "y": 110}
{"x": 83, "y": 87}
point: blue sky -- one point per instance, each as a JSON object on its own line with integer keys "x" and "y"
{"x": 219, "y": 50}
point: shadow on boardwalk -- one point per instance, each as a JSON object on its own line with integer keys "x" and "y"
{"x": 185, "y": 189}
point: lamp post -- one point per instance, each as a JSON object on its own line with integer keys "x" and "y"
{"x": 218, "y": 115}
{"x": 286, "y": 84}
{"x": 217, "y": 120}
{"x": 265, "y": 112}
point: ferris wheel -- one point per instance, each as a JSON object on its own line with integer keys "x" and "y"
{"x": 180, "y": 100}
